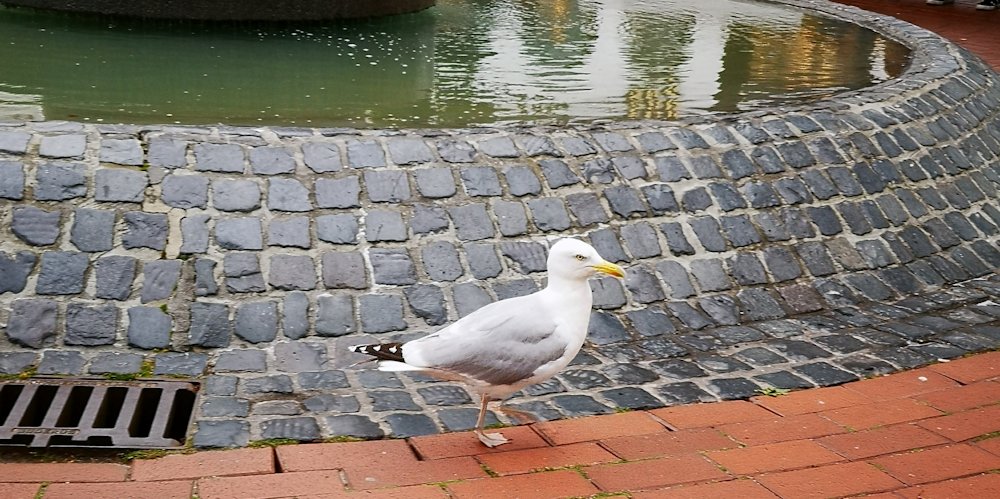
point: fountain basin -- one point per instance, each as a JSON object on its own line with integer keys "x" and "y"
{"x": 234, "y": 10}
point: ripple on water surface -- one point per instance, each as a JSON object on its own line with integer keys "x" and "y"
{"x": 463, "y": 62}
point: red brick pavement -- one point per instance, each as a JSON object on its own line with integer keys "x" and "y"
{"x": 927, "y": 433}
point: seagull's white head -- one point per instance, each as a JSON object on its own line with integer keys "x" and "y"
{"x": 576, "y": 260}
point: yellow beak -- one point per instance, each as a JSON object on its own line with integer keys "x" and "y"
{"x": 610, "y": 269}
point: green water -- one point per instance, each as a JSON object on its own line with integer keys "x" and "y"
{"x": 464, "y": 62}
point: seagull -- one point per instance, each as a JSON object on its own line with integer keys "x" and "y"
{"x": 510, "y": 344}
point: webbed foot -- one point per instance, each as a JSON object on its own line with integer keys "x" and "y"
{"x": 491, "y": 439}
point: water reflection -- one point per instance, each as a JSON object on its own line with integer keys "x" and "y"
{"x": 464, "y": 62}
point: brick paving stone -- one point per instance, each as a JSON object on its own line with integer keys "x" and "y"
{"x": 706, "y": 415}
{"x": 743, "y": 488}
{"x": 174, "y": 489}
{"x": 828, "y": 481}
{"x": 458, "y": 444}
{"x": 985, "y": 485}
{"x": 888, "y": 412}
{"x": 773, "y": 457}
{"x": 560, "y": 483}
{"x": 62, "y": 472}
{"x": 811, "y": 401}
{"x": 965, "y": 425}
{"x": 654, "y": 473}
{"x": 212, "y": 463}
{"x": 881, "y": 440}
{"x": 905, "y": 384}
{"x": 270, "y": 485}
{"x": 972, "y": 369}
{"x": 573, "y": 431}
{"x": 936, "y": 464}
{"x": 765, "y": 431}
{"x": 641, "y": 446}
{"x": 528, "y": 460}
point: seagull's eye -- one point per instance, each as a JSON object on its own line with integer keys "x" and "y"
{"x": 580, "y": 257}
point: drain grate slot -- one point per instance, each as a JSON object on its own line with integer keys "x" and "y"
{"x": 40, "y": 412}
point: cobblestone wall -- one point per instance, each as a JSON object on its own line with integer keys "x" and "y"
{"x": 254, "y": 256}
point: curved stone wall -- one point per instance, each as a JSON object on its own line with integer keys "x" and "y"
{"x": 230, "y": 10}
{"x": 788, "y": 248}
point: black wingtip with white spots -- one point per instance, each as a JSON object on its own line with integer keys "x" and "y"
{"x": 381, "y": 351}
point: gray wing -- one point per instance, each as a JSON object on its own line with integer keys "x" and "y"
{"x": 500, "y": 344}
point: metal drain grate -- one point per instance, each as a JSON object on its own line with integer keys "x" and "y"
{"x": 40, "y": 412}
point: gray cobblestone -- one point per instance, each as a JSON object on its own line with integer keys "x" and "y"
{"x": 93, "y": 230}
{"x": 392, "y": 266}
{"x": 53, "y": 362}
{"x": 337, "y": 229}
{"x": 549, "y": 214}
{"x": 11, "y": 178}
{"x": 114, "y": 277}
{"x": 185, "y": 191}
{"x": 90, "y": 325}
{"x": 511, "y": 217}
{"x": 387, "y": 186}
{"x": 235, "y": 195}
{"x": 210, "y": 325}
{"x": 456, "y": 151}
{"x": 116, "y": 363}
{"x": 59, "y": 181}
{"x": 167, "y": 152}
{"x": 481, "y": 181}
{"x": 472, "y": 222}
{"x": 257, "y": 322}
{"x": 338, "y": 192}
{"x": 242, "y": 271}
{"x": 335, "y": 315}
{"x": 521, "y": 181}
{"x": 225, "y": 158}
{"x": 441, "y": 261}
{"x": 292, "y": 272}
{"x": 63, "y": 146}
{"x": 242, "y": 233}
{"x": 557, "y": 173}
{"x": 14, "y": 142}
{"x": 271, "y": 160}
{"x": 483, "y": 260}
{"x": 205, "y": 284}
{"x": 344, "y": 270}
{"x": 159, "y": 279}
{"x": 148, "y": 328}
{"x": 35, "y": 226}
{"x": 384, "y": 225}
{"x": 381, "y": 313}
{"x": 145, "y": 230}
{"x": 435, "y": 182}
{"x": 365, "y": 154}
{"x": 322, "y": 157}
{"x": 289, "y": 232}
{"x": 287, "y": 194}
{"x": 62, "y": 273}
{"x": 14, "y": 270}
{"x": 404, "y": 151}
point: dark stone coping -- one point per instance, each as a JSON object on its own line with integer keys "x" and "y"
{"x": 233, "y": 10}
{"x": 785, "y": 248}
